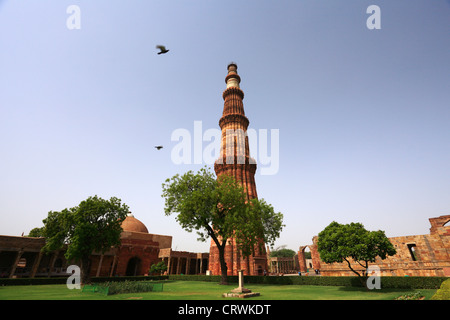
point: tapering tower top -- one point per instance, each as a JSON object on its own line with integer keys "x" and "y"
{"x": 232, "y": 79}
{"x": 235, "y": 156}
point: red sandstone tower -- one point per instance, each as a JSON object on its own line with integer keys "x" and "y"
{"x": 235, "y": 160}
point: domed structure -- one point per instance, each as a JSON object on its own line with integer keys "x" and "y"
{"x": 131, "y": 224}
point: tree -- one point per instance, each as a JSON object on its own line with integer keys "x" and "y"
{"x": 36, "y": 232}
{"x": 218, "y": 208}
{"x": 342, "y": 242}
{"x": 159, "y": 267}
{"x": 92, "y": 226}
{"x": 282, "y": 252}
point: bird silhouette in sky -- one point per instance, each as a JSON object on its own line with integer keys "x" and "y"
{"x": 162, "y": 48}
{"x": 159, "y": 147}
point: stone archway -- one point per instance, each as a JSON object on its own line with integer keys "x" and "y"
{"x": 133, "y": 267}
{"x": 313, "y": 262}
{"x": 302, "y": 259}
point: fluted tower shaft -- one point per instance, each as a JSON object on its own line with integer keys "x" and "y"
{"x": 235, "y": 160}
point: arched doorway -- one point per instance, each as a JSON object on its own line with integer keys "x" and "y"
{"x": 133, "y": 267}
{"x": 308, "y": 258}
{"x": 305, "y": 259}
{"x": 260, "y": 271}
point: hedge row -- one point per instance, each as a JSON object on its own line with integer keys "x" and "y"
{"x": 63, "y": 280}
{"x": 128, "y": 278}
{"x": 117, "y": 287}
{"x": 31, "y": 281}
{"x": 386, "y": 282}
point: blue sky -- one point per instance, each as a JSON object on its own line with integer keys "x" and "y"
{"x": 363, "y": 115}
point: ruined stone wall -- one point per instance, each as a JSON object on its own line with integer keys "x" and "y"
{"x": 417, "y": 255}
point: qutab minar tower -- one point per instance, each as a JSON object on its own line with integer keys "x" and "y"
{"x": 235, "y": 160}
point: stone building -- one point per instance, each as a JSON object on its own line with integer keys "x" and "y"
{"x": 417, "y": 255}
{"x": 235, "y": 160}
{"x": 22, "y": 257}
{"x": 283, "y": 265}
{"x": 183, "y": 262}
{"x": 139, "y": 249}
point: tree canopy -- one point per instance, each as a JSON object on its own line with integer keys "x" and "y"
{"x": 342, "y": 242}
{"x": 219, "y": 208}
{"x": 282, "y": 252}
{"x": 92, "y": 226}
{"x": 158, "y": 268}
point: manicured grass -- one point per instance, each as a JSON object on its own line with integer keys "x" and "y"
{"x": 197, "y": 290}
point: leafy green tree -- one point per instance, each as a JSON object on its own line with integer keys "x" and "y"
{"x": 342, "y": 242}
{"x": 282, "y": 252}
{"x": 218, "y": 208}
{"x": 159, "y": 267}
{"x": 36, "y": 232}
{"x": 92, "y": 226}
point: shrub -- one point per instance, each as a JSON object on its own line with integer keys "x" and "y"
{"x": 130, "y": 286}
{"x": 411, "y": 296}
{"x": 444, "y": 291}
{"x": 128, "y": 278}
{"x": 158, "y": 268}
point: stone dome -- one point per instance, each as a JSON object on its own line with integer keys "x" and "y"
{"x": 131, "y": 224}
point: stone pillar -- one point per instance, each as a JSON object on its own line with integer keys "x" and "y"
{"x": 16, "y": 261}
{"x": 168, "y": 264}
{"x": 315, "y": 256}
{"x": 99, "y": 266}
{"x": 113, "y": 265}
{"x": 188, "y": 263}
{"x": 52, "y": 262}
{"x": 301, "y": 259}
{"x": 178, "y": 266}
{"x": 241, "y": 288}
{"x": 35, "y": 266}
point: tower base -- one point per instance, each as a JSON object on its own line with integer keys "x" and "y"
{"x": 254, "y": 265}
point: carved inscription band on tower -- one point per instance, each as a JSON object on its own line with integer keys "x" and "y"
{"x": 235, "y": 160}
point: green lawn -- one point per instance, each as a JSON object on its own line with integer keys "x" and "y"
{"x": 196, "y": 290}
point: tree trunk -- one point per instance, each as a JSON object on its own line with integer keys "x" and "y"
{"x": 221, "y": 249}
{"x": 360, "y": 278}
{"x": 223, "y": 265}
{"x": 85, "y": 270}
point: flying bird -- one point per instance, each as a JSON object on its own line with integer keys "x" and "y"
{"x": 158, "y": 147}
{"x": 162, "y": 48}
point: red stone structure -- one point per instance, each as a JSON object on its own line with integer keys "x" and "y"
{"x": 235, "y": 160}
{"x": 22, "y": 256}
{"x": 139, "y": 249}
